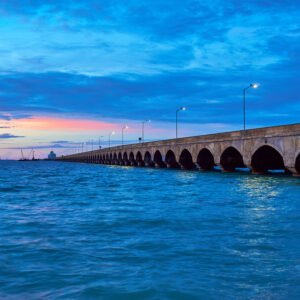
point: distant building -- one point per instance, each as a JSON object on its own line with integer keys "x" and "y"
{"x": 51, "y": 155}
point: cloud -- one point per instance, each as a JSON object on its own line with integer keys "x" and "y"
{"x": 141, "y": 60}
{"x": 155, "y": 97}
{"x": 142, "y": 38}
{"x": 61, "y": 142}
{"x": 9, "y": 136}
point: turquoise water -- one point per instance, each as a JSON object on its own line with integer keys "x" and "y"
{"x": 79, "y": 231}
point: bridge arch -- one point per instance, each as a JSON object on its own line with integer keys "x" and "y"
{"x": 258, "y": 146}
{"x": 125, "y": 158}
{"x": 231, "y": 159}
{"x": 170, "y": 160}
{"x": 131, "y": 156}
{"x": 131, "y": 159}
{"x": 120, "y": 159}
{"x": 205, "y": 159}
{"x": 267, "y": 158}
{"x": 297, "y": 163}
{"x": 158, "y": 159}
{"x": 115, "y": 158}
{"x": 139, "y": 159}
{"x": 186, "y": 160}
{"x": 148, "y": 159}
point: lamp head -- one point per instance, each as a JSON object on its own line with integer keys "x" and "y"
{"x": 183, "y": 108}
{"x": 112, "y": 132}
{"x": 255, "y": 85}
{"x": 148, "y": 121}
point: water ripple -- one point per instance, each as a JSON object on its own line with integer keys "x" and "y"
{"x": 78, "y": 231}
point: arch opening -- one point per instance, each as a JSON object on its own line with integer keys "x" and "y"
{"x": 120, "y": 160}
{"x": 139, "y": 159}
{"x": 186, "y": 160}
{"x": 205, "y": 159}
{"x": 131, "y": 159}
{"x": 266, "y": 159}
{"x": 158, "y": 160}
{"x": 115, "y": 158}
{"x": 171, "y": 160}
{"x": 125, "y": 159}
{"x": 231, "y": 159}
{"x": 147, "y": 159}
{"x": 297, "y": 164}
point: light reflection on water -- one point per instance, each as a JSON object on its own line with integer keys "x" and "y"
{"x": 78, "y": 231}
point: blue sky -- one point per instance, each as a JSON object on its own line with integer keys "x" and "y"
{"x": 121, "y": 62}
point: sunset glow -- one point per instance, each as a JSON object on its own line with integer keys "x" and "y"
{"x": 43, "y": 123}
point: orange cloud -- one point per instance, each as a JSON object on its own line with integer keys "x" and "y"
{"x": 43, "y": 123}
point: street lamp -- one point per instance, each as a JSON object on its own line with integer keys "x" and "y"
{"x": 244, "y": 101}
{"x": 110, "y": 134}
{"x": 143, "y": 125}
{"x": 181, "y": 108}
{"x": 125, "y": 127}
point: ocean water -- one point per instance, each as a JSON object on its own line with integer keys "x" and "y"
{"x": 80, "y": 231}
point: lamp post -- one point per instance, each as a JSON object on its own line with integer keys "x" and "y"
{"x": 143, "y": 127}
{"x": 125, "y": 127}
{"x": 110, "y": 134}
{"x": 244, "y": 101}
{"x": 181, "y": 108}
{"x": 100, "y": 141}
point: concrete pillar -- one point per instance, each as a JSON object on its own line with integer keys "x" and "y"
{"x": 150, "y": 164}
{"x": 293, "y": 171}
{"x": 222, "y": 169}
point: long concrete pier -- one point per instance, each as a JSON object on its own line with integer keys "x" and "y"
{"x": 260, "y": 150}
